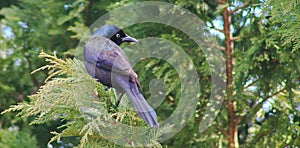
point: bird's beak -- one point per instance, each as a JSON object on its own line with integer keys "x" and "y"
{"x": 129, "y": 39}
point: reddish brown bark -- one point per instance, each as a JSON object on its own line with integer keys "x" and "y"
{"x": 230, "y": 104}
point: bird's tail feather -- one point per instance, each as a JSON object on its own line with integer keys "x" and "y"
{"x": 145, "y": 111}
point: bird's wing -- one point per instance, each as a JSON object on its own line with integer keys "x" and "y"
{"x": 102, "y": 53}
{"x": 105, "y": 54}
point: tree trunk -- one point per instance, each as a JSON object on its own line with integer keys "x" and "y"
{"x": 230, "y": 103}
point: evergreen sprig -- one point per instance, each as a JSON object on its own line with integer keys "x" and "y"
{"x": 70, "y": 94}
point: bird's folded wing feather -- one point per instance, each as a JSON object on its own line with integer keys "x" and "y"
{"x": 107, "y": 55}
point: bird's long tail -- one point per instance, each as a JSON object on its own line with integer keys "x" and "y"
{"x": 145, "y": 111}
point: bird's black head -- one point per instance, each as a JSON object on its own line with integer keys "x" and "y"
{"x": 115, "y": 34}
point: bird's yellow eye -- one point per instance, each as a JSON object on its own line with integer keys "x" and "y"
{"x": 118, "y": 35}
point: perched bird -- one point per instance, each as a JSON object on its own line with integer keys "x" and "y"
{"x": 106, "y": 61}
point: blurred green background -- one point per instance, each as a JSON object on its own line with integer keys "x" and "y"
{"x": 266, "y": 75}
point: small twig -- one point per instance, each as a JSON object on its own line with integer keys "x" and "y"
{"x": 224, "y": 132}
{"x": 212, "y": 26}
{"x": 235, "y": 38}
{"x": 220, "y": 1}
{"x": 269, "y": 96}
{"x": 258, "y": 106}
{"x": 217, "y": 29}
{"x": 246, "y": 4}
{"x": 253, "y": 82}
{"x": 276, "y": 93}
{"x": 221, "y": 48}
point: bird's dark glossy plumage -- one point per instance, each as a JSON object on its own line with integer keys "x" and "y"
{"x": 106, "y": 61}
